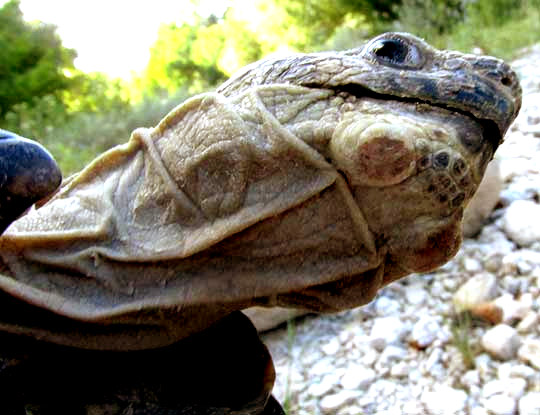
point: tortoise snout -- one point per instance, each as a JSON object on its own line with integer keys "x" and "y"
{"x": 502, "y": 75}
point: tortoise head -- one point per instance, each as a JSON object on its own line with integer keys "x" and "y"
{"x": 417, "y": 150}
{"x": 28, "y": 173}
{"x": 415, "y": 131}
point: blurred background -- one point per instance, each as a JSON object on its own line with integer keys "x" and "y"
{"x": 79, "y": 76}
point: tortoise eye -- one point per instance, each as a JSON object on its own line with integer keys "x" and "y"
{"x": 395, "y": 52}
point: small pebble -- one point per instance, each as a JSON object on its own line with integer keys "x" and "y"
{"x": 477, "y": 290}
{"x": 520, "y": 224}
{"x": 529, "y": 352}
{"x": 501, "y": 341}
{"x": 529, "y": 322}
{"x": 472, "y": 265}
{"x": 501, "y": 405}
{"x": 445, "y": 400}
{"x": 387, "y": 330}
{"x": 424, "y": 332}
{"x": 323, "y": 387}
{"x": 332, "y": 347}
{"x": 330, "y": 403}
{"x": 357, "y": 377}
{"x": 529, "y": 404}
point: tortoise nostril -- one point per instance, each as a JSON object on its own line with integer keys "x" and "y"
{"x": 506, "y": 81}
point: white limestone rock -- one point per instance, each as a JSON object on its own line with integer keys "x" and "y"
{"x": 357, "y": 377}
{"x": 424, "y": 332}
{"x": 513, "y": 387}
{"x": 501, "y": 341}
{"x": 331, "y": 403}
{"x": 322, "y": 388}
{"x": 529, "y": 404}
{"x": 445, "y": 400}
{"x": 530, "y": 352}
{"x": 483, "y": 201}
{"x": 501, "y": 404}
{"x": 512, "y": 310}
{"x": 521, "y": 222}
{"x": 388, "y": 330}
{"x": 477, "y": 290}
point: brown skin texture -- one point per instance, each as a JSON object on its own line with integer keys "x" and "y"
{"x": 309, "y": 181}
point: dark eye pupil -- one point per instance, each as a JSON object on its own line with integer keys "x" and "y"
{"x": 391, "y": 50}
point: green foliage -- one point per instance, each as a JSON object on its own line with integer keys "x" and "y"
{"x": 185, "y": 56}
{"x": 76, "y": 138}
{"x": 32, "y": 59}
{"x": 95, "y": 92}
{"x": 484, "y": 28}
{"x": 199, "y": 55}
{"x": 321, "y": 18}
{"x": 429, "y": 18}
{"x": 496, "y": 27}
{"x": 493, "y": 12}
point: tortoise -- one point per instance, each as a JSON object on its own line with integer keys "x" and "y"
{"x": 306, "y": 181}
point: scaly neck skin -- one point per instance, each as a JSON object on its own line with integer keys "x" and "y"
{"x": 311, "y": 115}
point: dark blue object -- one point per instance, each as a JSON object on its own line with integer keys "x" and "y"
{"x": 28, "y": 173}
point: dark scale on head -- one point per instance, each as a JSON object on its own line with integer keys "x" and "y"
{"x": 443, "y": 198}
{"x": 442, "y": 181}
{"x": 465, "y": 181}
{"x": 28, "y": 173}
{"x": 472, "y": 142}
{"x": 458, "y": 200}
{"x": 459, "y": 167}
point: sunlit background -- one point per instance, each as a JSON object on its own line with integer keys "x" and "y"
{"x": 114, "y": 36}
{"x": 79, "y": 76}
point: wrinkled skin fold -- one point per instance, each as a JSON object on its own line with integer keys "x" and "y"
{"x": 306, "y": 182}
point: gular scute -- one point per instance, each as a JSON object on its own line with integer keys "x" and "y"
{"x": 307, "y": 181}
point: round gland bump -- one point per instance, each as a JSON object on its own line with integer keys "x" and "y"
{"x": 374, "y": 153}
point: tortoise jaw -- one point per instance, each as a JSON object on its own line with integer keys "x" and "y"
{"x": 493, "y": 132}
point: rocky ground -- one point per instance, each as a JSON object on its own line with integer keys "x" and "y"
{"x": 408, "y": 352}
